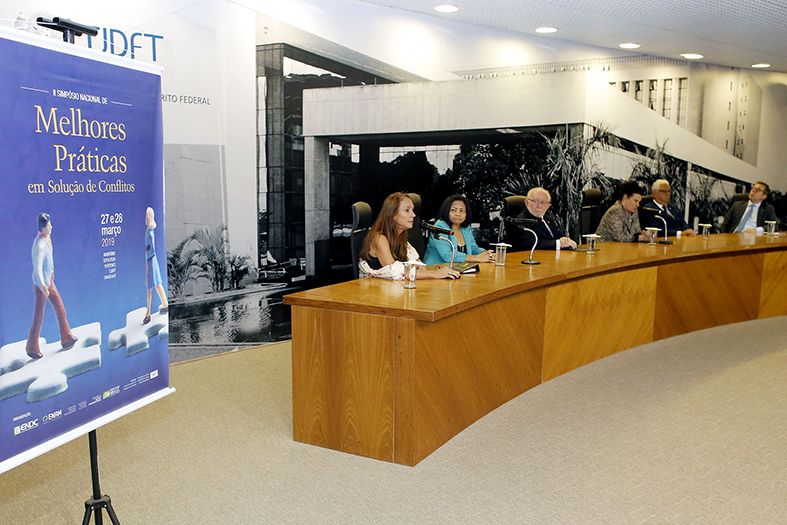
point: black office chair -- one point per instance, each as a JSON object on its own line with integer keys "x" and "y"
{"x": 590, "y": 213}
{"x": 739, "y": 197}
{"x": 362, "y": 221}
{"x": 513, "y": 205}
{"x": 643, "y": 220}
{"x": 415, "y": 236}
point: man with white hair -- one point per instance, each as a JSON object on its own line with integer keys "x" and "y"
{"x": 550, "y": 237}
{"x": 669, "y": 212}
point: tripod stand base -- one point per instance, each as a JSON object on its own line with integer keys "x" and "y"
{"x": 95, "y": 505}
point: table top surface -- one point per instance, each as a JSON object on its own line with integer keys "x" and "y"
{"x": 434, "y": 299}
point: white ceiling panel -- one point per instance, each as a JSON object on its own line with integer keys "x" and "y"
{"x": 735, "y": 33}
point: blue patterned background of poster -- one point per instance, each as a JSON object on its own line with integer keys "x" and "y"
{"x": 81, "y": 141}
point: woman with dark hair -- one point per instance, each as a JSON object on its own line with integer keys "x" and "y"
{"x": 621, "y": 222}
{"x": 455, "y": 214}
{"x": 386, "y": 248}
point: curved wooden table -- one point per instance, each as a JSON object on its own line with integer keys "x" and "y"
{"x": 392, "y": 374}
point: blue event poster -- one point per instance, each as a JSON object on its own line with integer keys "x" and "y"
{"x": 82, "y": 191}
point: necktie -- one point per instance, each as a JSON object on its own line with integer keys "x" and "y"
{"x": 546, "y": 226}
{"x": 666, "y": 210}
{"x": 745, "y": 218}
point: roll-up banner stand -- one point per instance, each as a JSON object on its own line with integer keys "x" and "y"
{"x": 83, "y": 303}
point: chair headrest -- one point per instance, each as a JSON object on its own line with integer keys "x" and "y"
{"x": 591, "y": 197}
{"x": 362, "y": 216}
{"x": 513, "y": 206}
{"x": 645, "y": 200}
{"x": 416, "y": 202}
{"x": 739, "y": 197}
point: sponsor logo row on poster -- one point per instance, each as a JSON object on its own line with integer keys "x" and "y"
{"x": 36, "y": 422}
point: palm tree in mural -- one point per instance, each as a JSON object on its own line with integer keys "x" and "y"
{"x": 240, "y": 266}
{"x": 709, "y": 201}
{"x": 564, "y": 165}
{"x": 182, "y": 267}
{"x": 212, "y": 256}
{"x": 572, "y": 167}
{"x": 656, "y": 164}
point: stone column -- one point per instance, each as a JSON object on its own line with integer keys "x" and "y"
{"x": 317, "y": 201}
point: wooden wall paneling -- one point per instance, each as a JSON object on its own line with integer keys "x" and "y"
{"x": 343, "y": 380}
{"x": 714, "y": 291}
{"x": 591, "y": 318}
{"x": 774, "y": 285}
{"x": 470, "y": 363}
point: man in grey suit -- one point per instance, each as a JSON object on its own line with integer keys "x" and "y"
{"x": 750, "y": 215}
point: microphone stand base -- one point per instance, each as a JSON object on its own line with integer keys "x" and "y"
{"x": 531, "y": 262}
{"x": 665, "y": 242}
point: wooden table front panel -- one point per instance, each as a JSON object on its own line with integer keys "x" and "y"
{"x": 463, "y": 367}
{"x": 714, "y": 291}
{"x": 343, "y": 381}
{"x": 774, "y": 285}
{"x": 446, "y": 374}
{"x": 592, "y": 318}
{"x": 393, "y": 374}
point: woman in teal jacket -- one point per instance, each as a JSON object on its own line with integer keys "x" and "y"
{"x": 455, "y": 215}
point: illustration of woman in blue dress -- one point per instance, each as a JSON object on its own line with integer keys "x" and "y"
{"x": 152, "y": 271}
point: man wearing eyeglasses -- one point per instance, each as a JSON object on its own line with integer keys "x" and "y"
{"x": 537, "y": 203}
{"x": 675, "y": 222}
{"x": 750, "y": 216}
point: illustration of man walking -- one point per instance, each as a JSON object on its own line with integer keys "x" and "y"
{"x": 44, "y": 288}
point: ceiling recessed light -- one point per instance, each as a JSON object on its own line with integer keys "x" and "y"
{"x": 546, "y": 30}
{"x": 447, "y": 8}
{"x": 629, "y": 45}
{"x": 761, "y": 65}
{"x": 692, "y": 56}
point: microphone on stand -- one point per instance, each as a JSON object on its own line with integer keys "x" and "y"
{"x": 435, "y": 229}
{"x": 521, "y": 222}
{"x": 657, "y": 213}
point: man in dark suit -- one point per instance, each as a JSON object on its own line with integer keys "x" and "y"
{"x": 660, "y": 204}
{"x": 750, "y": 215}
{"x": 537, "y": 203}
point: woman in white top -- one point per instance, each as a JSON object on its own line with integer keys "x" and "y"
{"x": 386, "y": 248}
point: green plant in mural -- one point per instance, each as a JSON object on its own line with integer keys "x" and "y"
{"x": 240, "y": 266}
{"x": 563, "y": 164}
{"x": 205, "y": 255}
{"x": 528, "y": 167}
{"x": 572, "y": 167}
{"x": 656, "y": 164}
{"x": 479, "y": 171}
{"x": 708, "y": 198}
{"x": 212, "y": 255}
{"x": 182, "y": 267}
